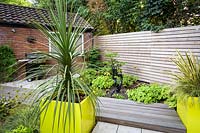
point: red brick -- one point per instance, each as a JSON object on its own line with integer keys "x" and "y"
{"x": 20, "y": 46}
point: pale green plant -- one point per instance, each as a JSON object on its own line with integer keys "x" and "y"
{"x": 65, "y": 86}
{"x": 188, "y": 80}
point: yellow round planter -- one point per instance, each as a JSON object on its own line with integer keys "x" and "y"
{"x": 189, "y": 112}
{"x": 85, "y": 118}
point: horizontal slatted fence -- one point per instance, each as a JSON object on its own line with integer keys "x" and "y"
{"x": 148, "y": 54}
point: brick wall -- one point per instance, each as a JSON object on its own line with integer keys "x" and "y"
{"x": 17, "y": 38}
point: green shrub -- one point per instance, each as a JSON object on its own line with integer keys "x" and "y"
{"x": 5, "y": 107}
{"x": 105, "y": 70}
{"x": 7, "y": 61}
{"x": 102, "y": 82}
{"x": 93, "y": 58}
{"x": 10, "y": 101}
{"x": 149, "y": 93}
{"x": 88, "y": 75}
{"x": 129, "y": 80}
{"x": 7, "y": 104}
{"x": 113, "y": 62}
{"x": 22, "y": 117}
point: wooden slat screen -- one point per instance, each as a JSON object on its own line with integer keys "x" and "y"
{"x": 148, "y": 54}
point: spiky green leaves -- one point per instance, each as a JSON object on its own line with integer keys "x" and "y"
{"x": 188, "y": 80}
{"x": 64, "y": 87}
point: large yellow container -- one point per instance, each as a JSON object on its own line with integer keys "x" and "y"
{"x": 189, "y": 112}
{"x": 85, "y": 118}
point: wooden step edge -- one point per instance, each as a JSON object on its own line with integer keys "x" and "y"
{"x": 130, "y": 102}
{"x": 143, "y": 114}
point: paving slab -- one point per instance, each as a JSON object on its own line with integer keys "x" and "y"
{"x": 103, "y": 127}
{"x": 25, "y": 84}
{"x": 150, "y": 131}
{"x": 126, "y": 129}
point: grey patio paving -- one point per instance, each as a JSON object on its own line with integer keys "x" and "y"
{"x": 24, "y": 84}
{"x": 103, "y": 127}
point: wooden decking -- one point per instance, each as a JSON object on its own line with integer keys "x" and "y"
{"x": 157, "y": 117}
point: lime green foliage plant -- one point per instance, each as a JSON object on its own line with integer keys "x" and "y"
{"x": 88, "y": 75}
{"x": 152, "y": 93}
{"x": 129, "y": 80}
{"x": 188, "y": 80}
{"x": 7, "y": 63}
{"x": 102, "y": 82}
{"x": 118, "y": 96}
{"x": 17, "y": 2}
{"x": 99, "y": 92}
{"x": 105, "y": 70}
{"x": 171, "y": 101}
{"x": 21, "y": 129}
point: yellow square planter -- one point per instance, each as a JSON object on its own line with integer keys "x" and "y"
{"x": 189, "y": 112}
{"x": 84, "y": 123}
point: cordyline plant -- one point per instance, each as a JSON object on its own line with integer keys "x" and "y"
{"x": 65, "y": 88}
{"x": 188, "y": 80}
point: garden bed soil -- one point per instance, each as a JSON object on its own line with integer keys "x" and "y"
{"x": 124, "y": 90}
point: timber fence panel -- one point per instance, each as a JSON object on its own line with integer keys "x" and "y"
{"x": 148, "y": 54}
